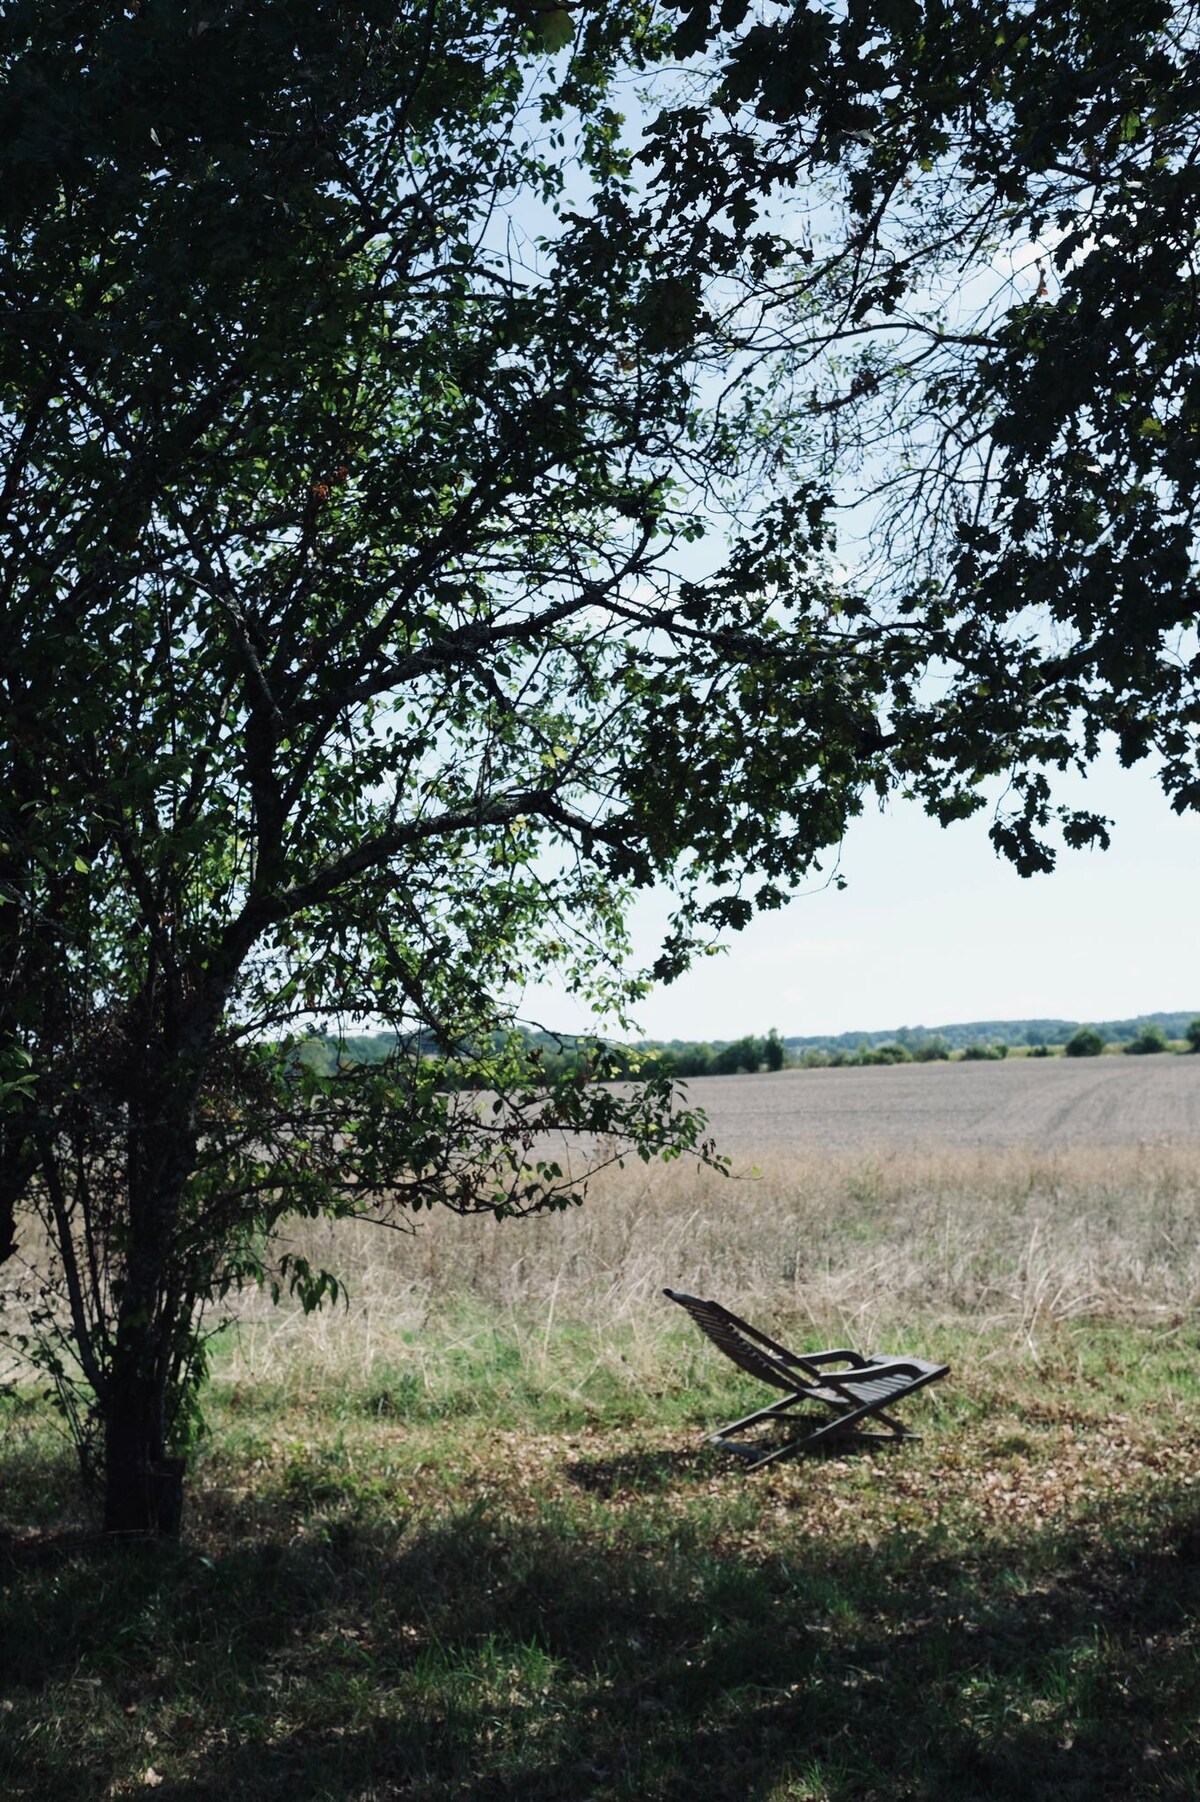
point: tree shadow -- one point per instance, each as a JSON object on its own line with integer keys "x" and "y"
{"x": 643, "y": 1472}
{"x": 543, "y": 1655}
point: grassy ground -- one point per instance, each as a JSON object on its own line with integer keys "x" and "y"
{"x": 459, "y": 1543}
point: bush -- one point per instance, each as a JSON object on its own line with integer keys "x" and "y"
{"x": 931, "y": 1051}
{"x": 815, "y": 1060}
{"x": 744, "y": 1054}
{"x": 1087, "y": 1042}
{"x": 1040, "y": 1051}
{"x": 1150, "y": 1038}
{"x": 984, "y": 1053}
{"x": 884, "y": 1054}
{"x": 1192, "y": 1035}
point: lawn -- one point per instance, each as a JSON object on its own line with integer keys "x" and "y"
{"x": 465, "y": 1539}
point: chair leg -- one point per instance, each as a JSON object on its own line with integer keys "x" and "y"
{"x": 844, "y": 1424}
{"x": 749, "y": 1420}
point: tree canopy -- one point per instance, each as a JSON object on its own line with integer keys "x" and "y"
{"x": 975, "y": 229}
{"x": 352, "y": 426}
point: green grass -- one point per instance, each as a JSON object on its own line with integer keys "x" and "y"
{"x": 518, "y": 1574}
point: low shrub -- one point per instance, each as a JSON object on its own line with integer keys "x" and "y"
{"x": 1150, "y": 1038}
{"x": 1086, "y": 1042}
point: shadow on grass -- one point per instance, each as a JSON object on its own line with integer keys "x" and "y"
{"x": 655, "y": 1472}
{"x": 642, "y": 1473}
{"x": 654, "y": 1652}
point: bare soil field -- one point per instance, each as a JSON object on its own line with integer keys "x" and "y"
{"x": 1049, "y": 1103}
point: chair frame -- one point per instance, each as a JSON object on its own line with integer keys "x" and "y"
{"x": 863, "y": 1391}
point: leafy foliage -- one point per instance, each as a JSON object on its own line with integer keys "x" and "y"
{"x": 986, "y": 274}
{"x": 345, "y": 671}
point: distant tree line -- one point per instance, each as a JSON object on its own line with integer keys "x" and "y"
{"x": 552, "y": 1055}
{"x": 983, "y": 1033}
{"x": 917, "y": 1051}
{"x": 1089, "y": 1041}
{"x": 722, "y": 1058}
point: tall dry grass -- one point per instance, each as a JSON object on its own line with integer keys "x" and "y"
{"x": 869, "y": 1249}
{"x": 866, "y": 1248}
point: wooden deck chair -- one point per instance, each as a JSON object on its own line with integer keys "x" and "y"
{"x": 855, "y": 1394}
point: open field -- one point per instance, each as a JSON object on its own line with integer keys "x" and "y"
{"x": 463, "y": 1538}
{"x": 1051, "y": 1102}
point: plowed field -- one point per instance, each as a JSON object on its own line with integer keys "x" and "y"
{"x": 1049, "y": 1102}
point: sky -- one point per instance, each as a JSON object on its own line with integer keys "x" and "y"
{"x": 934, "y": 928}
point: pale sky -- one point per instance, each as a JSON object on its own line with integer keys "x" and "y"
{"x": 934, "y": 928}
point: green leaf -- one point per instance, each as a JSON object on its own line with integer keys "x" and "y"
{"x": 556, "y": 28}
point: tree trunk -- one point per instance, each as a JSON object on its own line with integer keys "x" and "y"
{"x": 143, "y": 1497}
{"x": 143, "y": 1488}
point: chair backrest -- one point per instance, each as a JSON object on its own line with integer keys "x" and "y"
{"x": 749, "y": 1349}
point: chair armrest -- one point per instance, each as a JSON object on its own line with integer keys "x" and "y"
{"x": 883, "y": 1367}
{"x": 832, "y": 1357}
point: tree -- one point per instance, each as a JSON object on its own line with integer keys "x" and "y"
{"x": 741, "y": 1054}
{"x": 1192, "y": 1035}
{"x": 1148, "y": 1039}
{"x": 986, "y": 275}
{"x": 353, "y": 437}
{"x": 1084, "y": 1042}
{"x": 364, "y": 411}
